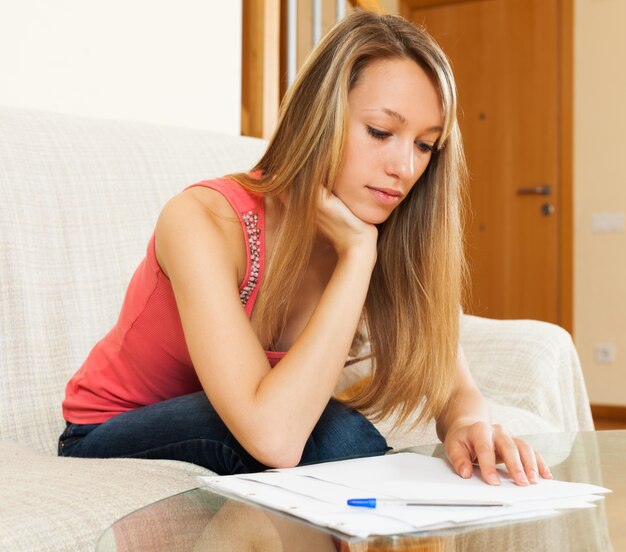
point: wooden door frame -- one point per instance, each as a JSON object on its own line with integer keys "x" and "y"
{"x": 260, "y": 67}
{"x": 566, "y": 145}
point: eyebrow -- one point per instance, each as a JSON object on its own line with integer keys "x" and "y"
{"x": 399, "y": 117}
{"x": 394, "y": 114}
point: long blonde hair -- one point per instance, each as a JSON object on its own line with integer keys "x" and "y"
{"x": 412, "y": 307}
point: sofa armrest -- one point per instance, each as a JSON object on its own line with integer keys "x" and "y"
{"x": 529, "y": 372}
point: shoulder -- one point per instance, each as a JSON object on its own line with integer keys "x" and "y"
{"x": 197, "y": 208}
{"x": 214, "y": 201}
{"x": 199, "y": 221}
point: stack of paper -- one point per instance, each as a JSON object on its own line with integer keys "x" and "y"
{"x": 319, "y": 493}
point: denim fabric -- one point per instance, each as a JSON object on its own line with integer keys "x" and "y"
{"x": 188, "y": 428}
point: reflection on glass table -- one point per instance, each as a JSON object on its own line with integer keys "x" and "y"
{"x": 203, "y": 520}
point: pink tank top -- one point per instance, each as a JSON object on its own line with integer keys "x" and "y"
{"x": 144, "y": 359}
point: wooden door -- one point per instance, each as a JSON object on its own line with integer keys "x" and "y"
{"x": 507, "y": 59}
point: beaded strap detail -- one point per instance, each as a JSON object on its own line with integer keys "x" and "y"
{"x": 253, "y": 232}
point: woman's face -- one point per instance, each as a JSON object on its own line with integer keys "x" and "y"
{"x": 394, "y": 121}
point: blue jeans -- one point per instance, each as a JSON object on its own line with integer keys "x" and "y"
{"x": 188, "y": 428}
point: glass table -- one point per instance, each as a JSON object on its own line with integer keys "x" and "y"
{"x": 202, "y": 520}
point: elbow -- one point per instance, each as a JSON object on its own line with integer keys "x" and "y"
{"x": 279, "y": 461}
{"x": 276, "y": 453}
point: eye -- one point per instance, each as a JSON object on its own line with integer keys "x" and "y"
{"x": 424, "y": 147}
{"x": 377, "y": 134}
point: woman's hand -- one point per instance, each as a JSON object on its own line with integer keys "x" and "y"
{"x": 342, "y": 228}
{"x": 488, "y": 445}
{"x": 469, "y": 437}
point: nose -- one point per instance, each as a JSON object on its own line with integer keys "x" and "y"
{"x": 401, "y": 162}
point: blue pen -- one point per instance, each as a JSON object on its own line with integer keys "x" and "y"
{"x": 381, "y": 502}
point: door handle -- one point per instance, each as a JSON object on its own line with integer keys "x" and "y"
{"x": 544, "y": 190}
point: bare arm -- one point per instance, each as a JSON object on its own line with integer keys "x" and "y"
{"x": 271, "y": 412}
{"x": 467, "y": 405}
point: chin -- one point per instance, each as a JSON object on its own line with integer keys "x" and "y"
{"x": 373, "y": 216}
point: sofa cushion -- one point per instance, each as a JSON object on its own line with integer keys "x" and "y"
{"x": 52, "y": 503}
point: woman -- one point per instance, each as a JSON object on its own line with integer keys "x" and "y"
{"x": 351, "y": 214}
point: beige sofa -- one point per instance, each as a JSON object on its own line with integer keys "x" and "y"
{"x": 79, "y": 201}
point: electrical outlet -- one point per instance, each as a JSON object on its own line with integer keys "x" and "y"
{"x": 604, "y": 353}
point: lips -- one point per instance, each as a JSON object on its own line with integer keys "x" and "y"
{"x": 387, "y": 191}
{"x": 387, "y": 196}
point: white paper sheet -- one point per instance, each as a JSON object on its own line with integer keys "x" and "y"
{"x": 318, "y": 493}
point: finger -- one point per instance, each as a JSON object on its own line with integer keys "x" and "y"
{"x": 482, "y": 438}
{"x": 507, "y": 448}
{"x": 460, "y": 458}
{"x": 544, "y": 470}
{"x": 529, "y": 460}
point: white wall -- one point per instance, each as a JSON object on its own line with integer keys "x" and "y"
{"x": 600, "y": 187}
{"x": 150, "y": 60}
